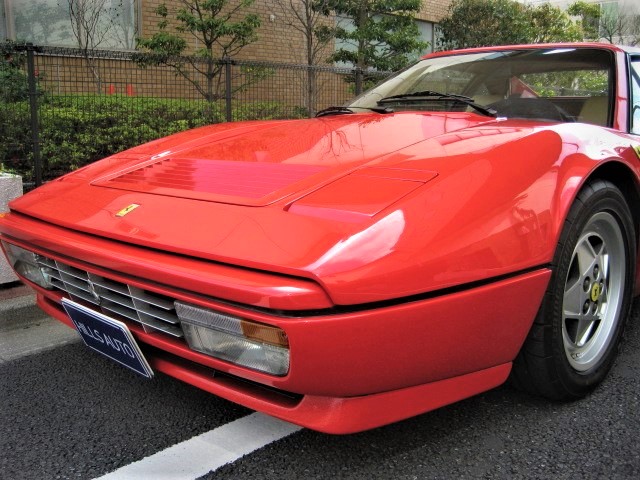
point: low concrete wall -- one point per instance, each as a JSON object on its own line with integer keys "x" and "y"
{"x": 10, "y": 188}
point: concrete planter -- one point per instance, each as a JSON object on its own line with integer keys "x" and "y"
{"x": 10, "y": 188}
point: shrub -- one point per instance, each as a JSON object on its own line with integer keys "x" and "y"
{"x": 77, "y": 130}
{"x": 15, "y": 137}
{"x": 14, "y": 86}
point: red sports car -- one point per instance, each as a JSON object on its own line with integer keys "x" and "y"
{"x": 473, "y": 218}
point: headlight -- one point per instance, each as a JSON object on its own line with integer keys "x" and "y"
{"x": 250, "y": 344}
{"x": 25, "y": 264}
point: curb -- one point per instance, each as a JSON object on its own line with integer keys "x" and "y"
{"x": 18, "y": 302}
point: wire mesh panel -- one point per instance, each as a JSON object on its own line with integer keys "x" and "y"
{"x": 93, "y": 104}
{"x": 268, "y": 90}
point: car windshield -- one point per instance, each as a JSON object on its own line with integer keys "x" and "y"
{"x": 560, "y": 84}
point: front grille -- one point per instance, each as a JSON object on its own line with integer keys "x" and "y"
{"x": 155, "y": 312}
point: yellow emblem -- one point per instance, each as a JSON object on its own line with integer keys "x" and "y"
{"x": 636, "y": 148}
{"x": 127, "y": 209}
{"x": 595, "y": 292}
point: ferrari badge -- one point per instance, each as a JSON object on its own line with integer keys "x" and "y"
{"x": 127, "y": 209}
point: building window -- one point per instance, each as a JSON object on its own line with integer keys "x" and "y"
{"x": 106, "y": 24}
{"x": 426, "y": 35}
{"x": 347, "y": 24}
{"x": 609, "y": 13}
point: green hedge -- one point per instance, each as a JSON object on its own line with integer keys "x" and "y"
{"x": 78, "y": 130}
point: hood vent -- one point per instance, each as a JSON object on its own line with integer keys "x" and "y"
{"x": 249, "y": 183}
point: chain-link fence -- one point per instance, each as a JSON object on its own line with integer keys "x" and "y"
{"x": 63, "y": 108}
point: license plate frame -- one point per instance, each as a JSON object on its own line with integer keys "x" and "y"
{"x": 108, "y": 336}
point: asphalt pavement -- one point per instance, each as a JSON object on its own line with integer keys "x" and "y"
{"x": 66, "y": 412}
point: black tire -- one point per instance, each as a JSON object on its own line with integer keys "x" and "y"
{"x": 575, "y": 337}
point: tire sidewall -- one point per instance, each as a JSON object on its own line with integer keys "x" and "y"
{"x": 600, "y": 198}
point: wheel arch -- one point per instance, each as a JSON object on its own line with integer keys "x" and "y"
{"x": 623, "y": 177}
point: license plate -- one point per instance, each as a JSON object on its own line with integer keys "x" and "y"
{"x": 107, "y": 336}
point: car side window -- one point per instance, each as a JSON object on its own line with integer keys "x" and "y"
{"x": 635, "y": 95}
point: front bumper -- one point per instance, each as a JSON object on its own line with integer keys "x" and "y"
{"x": 350, "y": 369}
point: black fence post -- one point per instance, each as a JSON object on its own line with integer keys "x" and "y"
{"x": 227, "y": 88}
{"x": 358, "y": 80}
{"x": 33, "y": 107}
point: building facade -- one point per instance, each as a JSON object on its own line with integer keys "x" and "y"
{"x": 115, "y": 25}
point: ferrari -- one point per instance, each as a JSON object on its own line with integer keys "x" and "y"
{"x": 473, "y": 219}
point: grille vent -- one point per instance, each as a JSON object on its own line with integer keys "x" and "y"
{"x": 155, "y": 312}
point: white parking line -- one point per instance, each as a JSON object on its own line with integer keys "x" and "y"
{"x": 211, "y": 450}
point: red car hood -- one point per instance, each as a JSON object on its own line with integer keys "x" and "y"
{"x": 268, "y": 195}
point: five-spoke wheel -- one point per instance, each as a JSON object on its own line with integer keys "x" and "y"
{"x": 593, "y": 291}
{"x": 575, "y": 337}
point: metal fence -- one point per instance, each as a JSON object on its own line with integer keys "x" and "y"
{"x": 63, "y": 108}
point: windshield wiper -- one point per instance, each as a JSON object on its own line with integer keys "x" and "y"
{"x": 490, "y": 112}
{"x": 347, "y": 110}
